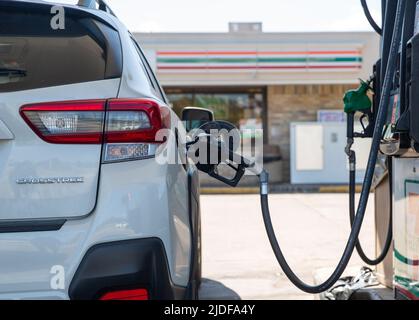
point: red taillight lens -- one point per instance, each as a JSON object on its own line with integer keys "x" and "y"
{"x": 131, "y": 128}
{"x": 78, "y": 122}
{"x": 133, "y": 120}
{"x": 128, "y": 127}
{"x": 135, "y": 294}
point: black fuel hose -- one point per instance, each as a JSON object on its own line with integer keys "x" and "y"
{"x": 352, "y": 191}
{"x": 366, "y": 187}
{"x": 370, "y": 19}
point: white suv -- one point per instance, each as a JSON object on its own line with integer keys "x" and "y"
{"x": 86, "y": 212}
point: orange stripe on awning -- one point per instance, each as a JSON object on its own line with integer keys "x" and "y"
{"x": 185, "y": 53}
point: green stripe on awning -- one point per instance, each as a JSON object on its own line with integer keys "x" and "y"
{"x": 258, "y": 60}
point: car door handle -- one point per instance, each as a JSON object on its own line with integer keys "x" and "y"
{"x": 5, "y": 133}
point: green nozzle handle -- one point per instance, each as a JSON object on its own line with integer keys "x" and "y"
{"x": 357, "y": 99}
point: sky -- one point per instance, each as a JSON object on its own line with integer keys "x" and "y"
{"x": 214, "y": 15}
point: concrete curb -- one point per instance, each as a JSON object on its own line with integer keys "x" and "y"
{"x": 338, "y": 189}
{"x": 239, "y": 190}
{"x": 277, "y": 189}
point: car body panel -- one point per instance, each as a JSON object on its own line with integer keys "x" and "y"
{"x": 125, "y": 210}
{"x": 29, "y": 157}
{"x": 135, "y": 199}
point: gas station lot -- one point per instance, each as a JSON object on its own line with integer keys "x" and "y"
{"x": 238, "y": 262}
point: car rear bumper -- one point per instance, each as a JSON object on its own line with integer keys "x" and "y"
{"x": 128, "y": 264}
{"x": 136, "y": 200}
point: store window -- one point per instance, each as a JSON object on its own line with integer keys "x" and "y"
{"x": 244, "y": 107}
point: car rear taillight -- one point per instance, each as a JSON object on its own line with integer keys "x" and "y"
{"x": 131, "y": 128}
{"x": 127, "y": 127}
{"x": 77, "y": 122}
{"x": 135, "y": 294}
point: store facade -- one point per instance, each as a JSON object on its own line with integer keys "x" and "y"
{"x": 261, "y": 80}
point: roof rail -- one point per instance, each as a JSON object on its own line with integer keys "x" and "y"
{"x": 96, "y": 4}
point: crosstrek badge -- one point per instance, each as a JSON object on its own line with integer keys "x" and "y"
{"x": 50, "y": 180}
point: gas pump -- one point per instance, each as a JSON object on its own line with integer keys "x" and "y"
{"x": 400, "y": 142}
{"x": 391, "y": 120}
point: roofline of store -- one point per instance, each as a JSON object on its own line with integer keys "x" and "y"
{"x": 246, "y": 38}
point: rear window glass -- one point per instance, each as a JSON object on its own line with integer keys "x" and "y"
{"x": 34, "y": 55}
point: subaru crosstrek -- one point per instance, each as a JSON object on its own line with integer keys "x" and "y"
{"x": 86, "y": 211}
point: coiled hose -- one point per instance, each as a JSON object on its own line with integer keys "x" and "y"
{"x": 389, "y": 237}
